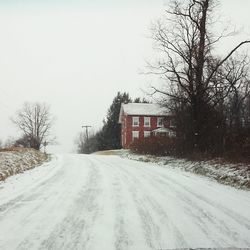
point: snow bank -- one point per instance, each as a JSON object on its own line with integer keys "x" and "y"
{"x": 237, "y": 175}
{"x": 17, "y": 160}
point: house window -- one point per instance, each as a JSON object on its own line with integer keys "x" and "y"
{"x": 147, "y": 134}
{"x": 172, "y": 123}
{"x": 146, "y": 121}
{"x": 135, "y": 135}
{"x": 135, "y": 122}
{"x": 160, "y": 122}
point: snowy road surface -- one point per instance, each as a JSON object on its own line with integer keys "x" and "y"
{"x": 105, "y": 202}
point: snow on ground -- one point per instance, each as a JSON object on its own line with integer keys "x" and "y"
{"x": 17, "y": 160}
{"x": 237, "y": 175}
{"x": 106, "y": 202}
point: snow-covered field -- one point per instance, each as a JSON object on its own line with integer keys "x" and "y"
{"x": 106, "y": 202}
{"x": 17, "y": 160}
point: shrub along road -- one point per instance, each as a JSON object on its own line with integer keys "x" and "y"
{"x": 105, "y": 202}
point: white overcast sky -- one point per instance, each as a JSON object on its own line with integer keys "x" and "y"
{"x": 76, "y": 55}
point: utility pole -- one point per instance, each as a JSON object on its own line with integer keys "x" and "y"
{"x": 87, "y": 135}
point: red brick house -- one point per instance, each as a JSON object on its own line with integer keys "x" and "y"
{"x": 139, "y": 120}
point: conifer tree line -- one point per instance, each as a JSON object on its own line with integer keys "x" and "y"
{"x": 109, "y": 136}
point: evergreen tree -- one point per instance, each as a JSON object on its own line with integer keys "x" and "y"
{"x": 111, "y": 131}
{"x": 139, "y": 100}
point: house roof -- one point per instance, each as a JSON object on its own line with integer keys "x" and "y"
{"x": 146, "y": 109}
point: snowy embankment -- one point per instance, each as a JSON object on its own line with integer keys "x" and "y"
{"x": 237, "y": 175}
{"x": 17, "y": 160}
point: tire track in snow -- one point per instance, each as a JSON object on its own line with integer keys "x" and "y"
{"x": 121, "y": 239}
{"x": 220, "y": 224}
{"x": 236, "y": 216}
{"x": 44, "y": 214}
{"x": 146, "y": 207}
{"x": 152, "y": 230}
{"x": 117, "y": 186}
{"x": 30, "y": 194}
{"x": 198, "y": 213}
{"x": 243, "y": 221}
{"x": 74, "y": 231}
{"x": 190, "y": 208}
{"x": 135, "y": 201}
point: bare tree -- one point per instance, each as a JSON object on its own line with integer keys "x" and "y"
{"x": 84, "y": 145}
{"x": 191, "y": 70}
{"x": 80, "y": 143}
{"x": 35, "y": 121}
{"x": 237, "y": 76}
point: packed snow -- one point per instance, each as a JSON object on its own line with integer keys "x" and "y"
{"x": 237, "y": 175}
{"x": 107, "y": 202}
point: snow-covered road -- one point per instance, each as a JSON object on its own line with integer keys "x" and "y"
{"x": 105, "y": 202}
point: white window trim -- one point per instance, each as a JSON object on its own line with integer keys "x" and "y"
{"x": 149, "y": 120}
{"x": 133, "y": 121}
{"x": 133, "y": 135}
{"x": 158, "y": 119}
{"x": 148, "y": 134}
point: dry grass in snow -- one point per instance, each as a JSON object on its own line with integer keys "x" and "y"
{"x": 17, "y": 160}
